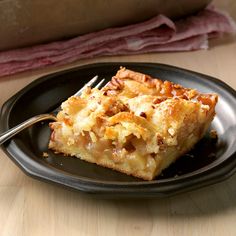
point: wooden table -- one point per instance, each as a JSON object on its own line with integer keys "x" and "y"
{"x": 29, "y": 207}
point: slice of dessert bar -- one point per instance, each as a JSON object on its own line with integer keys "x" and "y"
{"x": 136, "y": 124}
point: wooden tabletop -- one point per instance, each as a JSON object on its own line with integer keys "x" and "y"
{"x": 31, "y": 208}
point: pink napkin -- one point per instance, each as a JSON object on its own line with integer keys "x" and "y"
{"x": 159, "y": 34}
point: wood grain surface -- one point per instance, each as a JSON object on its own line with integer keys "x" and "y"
{"x": 32, "y": 208}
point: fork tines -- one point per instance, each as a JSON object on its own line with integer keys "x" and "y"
{"x": 90, "y": 84}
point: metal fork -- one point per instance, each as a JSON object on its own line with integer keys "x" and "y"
{"x": 50, "y": 116}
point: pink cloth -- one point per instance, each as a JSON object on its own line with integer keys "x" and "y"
{"x": 159, "y": 34}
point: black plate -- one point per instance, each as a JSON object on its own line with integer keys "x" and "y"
{"x": 208, "y": 163}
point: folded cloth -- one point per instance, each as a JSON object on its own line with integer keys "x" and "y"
{"x": 159, "y": 34}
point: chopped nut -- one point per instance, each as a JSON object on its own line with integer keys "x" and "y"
{"x": 105, "y": 93}
{"x": 184, "y": 96}
{"x": 159, "y": 99}
{"x": 144, "y": 78}
{"x": 87, "y": 90}
{"x": 159, "y": 140}
{"x": 115, "y": 83}
{"x": 178, "y": 86}
{"x": 143, "y": 114}
{"x": 213, "y": 134}
{"x": 45, "y": 154}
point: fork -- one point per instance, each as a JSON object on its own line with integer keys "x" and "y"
{"x": 50, "y": 116}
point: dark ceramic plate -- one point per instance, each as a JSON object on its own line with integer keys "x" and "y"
{"x": 208, "y": 163}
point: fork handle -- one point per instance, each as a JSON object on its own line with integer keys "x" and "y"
{"x": 15, "y": 130}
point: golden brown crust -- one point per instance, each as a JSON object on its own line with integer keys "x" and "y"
{"x": 156, "y": 87}
{"x": 136, "y": 124}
